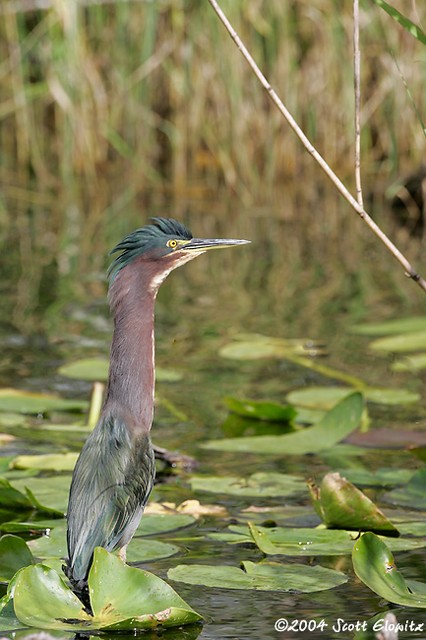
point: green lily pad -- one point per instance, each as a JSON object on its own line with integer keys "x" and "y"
{"x": 14, "y": 554}
{"x": 259, "y": 484}
{"x": 35, "y": 403}
{"x": 22, "y": 527}
{"x": 327, "y": 397}
{"x": 153, "y": 523}
{"x": 374, "y": 564}
{"x": 49, "y": 491}
{"x": 253, "y": 346}
{"x": 12, "y": 497}
{"x": 391, "y": 327}
{"x": 8, "y": 620}
{"x": 263, "y": 576}
{"x": 46, "y": 462}
{"x": 384, "y": 477}
{"x": 341, "y": 505}
{"x": 122, "y": 598}
{"x": 91, "y": 369}
{"x": 413, "y": 363}
{"x": 96, "y": 370}
{"x": 269, "y": 411}
{"x": 335, "y": 425}
{"x": 140, "y": 549}
{"x": 54, "y": 542}
{"x": 402, "y": 343}
{"x": 413, "y": 494}
{"x": 303, "y": 541}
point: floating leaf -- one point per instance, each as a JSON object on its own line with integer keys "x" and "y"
{"x": 413, "y": 495}
{"x": 327, "y": 397}
{"x": 29, "y": 402}
{"x": 303, "y": 541}
{"x": 11, "y": 497}
{"x": 412, "y": 363}
{"x": 405, "y": 342}
{"x": 269, "y": 411}
{"x": 374, "y": 564}
{"x": 324, "y": 398}
{"x": 8, "y": 619}
{"x": 263, "y": 576}
{"x": 235, "y": 426}
{"x": 341, "y": 505}
{"x": 147, "y": 550}
{"x": 122, "y": 598}
{"x": 46, "y": 462}
{"x": 52, "y": 492}
{"x": 385, "y": 477}
{"x": 14, "y": 554}
{"x": 336, "y": 424}
{"x": 259, "y": 484}
{"x": 253, "y": 346}
{"x": 139, "y": 550}
{"x": 391, "y": 327}
{"x": 96, "y": 370}
{"x": 91, "y": 369}
{"x": 153, "y": 524}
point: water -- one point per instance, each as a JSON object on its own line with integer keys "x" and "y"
{"x": 294, "y": 280}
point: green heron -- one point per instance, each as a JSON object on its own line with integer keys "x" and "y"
{"x": 115, "y": 471}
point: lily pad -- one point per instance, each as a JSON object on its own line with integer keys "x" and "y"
{"x": 153, "y": 524}
{"x": 96, "y": 370}
{"x": 122, "y": 598}
{"x": 140, "y": 549}
{"x": 383, "y": 477}
{"x": 374, "y": 564}
{"x": 413, "y": 494}
{"x": 46, "y": 462}
{"x": 327, "y": 397}
{"x": 259, "y": 484}
{"x": 253, "y": 346}
{"x": 8, "y": 619}
{"x": 391, "y": 327}
{"x": 12, "y": 497}
{"x": 402, "y": 343}
{"x": 14, "y": 554}
{"x": 52, "y": 492}
{"x": 336, "y": 424}
{"x": 341, "y": 505}
{"x": 303, "y": 541}
{"x": 35, "y": 403}
{"x": 256, "y": 410}
{"x": 263, "y": 576}
{"x": 413, "y": 363}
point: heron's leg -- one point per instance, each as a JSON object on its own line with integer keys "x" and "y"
{"x": 122, "y": 553}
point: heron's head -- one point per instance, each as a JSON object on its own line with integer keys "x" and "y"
{"x": 165, "y": 244}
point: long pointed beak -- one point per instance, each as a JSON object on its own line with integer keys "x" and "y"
{"x": 204, "y": 244}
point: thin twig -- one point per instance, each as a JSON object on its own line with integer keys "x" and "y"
{"x": 357, "y": 91}
{"x": 409, "y": 271}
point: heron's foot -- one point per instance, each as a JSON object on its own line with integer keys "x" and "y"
{"x": 122, "y": 553}
{"x": 175, "y": 459}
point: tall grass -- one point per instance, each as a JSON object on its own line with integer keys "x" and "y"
{"x": 107, "y": 106}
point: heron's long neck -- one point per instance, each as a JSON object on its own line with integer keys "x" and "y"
{"x": 132, "y": 368}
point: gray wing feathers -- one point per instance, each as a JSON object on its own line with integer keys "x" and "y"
{"x": 111, "y": 484}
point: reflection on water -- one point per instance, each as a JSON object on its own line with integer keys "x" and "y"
{"x": 303, "y": 276}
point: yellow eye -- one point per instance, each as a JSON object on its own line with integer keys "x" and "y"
{"x": 172, "y": 244}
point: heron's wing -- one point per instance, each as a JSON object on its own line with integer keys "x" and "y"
{"x": 111, "y": 484}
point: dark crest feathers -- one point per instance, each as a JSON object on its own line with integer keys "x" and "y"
{"x": 146, "y": 238}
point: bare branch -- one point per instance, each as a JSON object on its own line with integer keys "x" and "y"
{"x": 409, "y": 270}
{"x": 357, "y": 91}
